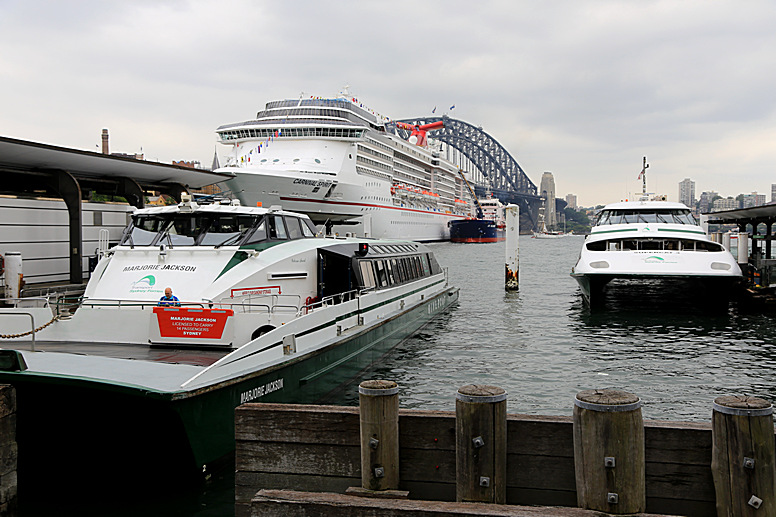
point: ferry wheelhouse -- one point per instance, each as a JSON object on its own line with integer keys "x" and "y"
{"x": 333, "y": 160}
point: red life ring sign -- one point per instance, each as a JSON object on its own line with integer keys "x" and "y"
{"x": 184, "y": 322}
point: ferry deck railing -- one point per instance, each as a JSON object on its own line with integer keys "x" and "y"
{"x": 32, "y": 323}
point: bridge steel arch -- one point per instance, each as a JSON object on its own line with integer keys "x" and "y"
{"x": 497, "y": 169}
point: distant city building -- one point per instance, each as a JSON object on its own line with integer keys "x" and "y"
{"x": 724, "y": 203}
{"x": 547, "y": 192}
{"x": 753, "y": 199}
{"x": 106, "y": 148}
{"x": 704, "y": 203}
{"x": 571, "y": 201}
{"x": 687, "y": 192}
{"x": 192, "y": 164}
{"x": 773, "y": 192}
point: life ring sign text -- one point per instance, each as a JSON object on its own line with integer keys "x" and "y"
{"x": 256, "y": 291}
{"x": 182, "y": 322}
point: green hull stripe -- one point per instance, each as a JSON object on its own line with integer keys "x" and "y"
{"x": 682, "y": 231}
{"x": 616, "y": 231}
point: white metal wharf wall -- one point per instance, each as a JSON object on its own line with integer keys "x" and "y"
{"x": 38, "y": 228}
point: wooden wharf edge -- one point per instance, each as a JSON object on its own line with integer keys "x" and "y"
{"x": 9, "y": 451}
{"x": 292, "y": 503}
{"x": 317, "y": 449}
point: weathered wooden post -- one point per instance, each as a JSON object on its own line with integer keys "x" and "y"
{"x": 742, "y": 457}
{"x": 379, "y": 418}
{"x": 481, "y": 444}
{"x": 609, "y": 451}
{"x": 512, "y": 266}
{"x": 742, "y": 246}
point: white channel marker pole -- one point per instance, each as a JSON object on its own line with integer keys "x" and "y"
{"x": 511, "y": 281}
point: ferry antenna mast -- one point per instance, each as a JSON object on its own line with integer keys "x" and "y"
{"x": 643, "y": 177}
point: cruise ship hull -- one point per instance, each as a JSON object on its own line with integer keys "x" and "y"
{"x": 475, "y": 231}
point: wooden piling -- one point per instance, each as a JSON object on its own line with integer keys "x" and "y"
{"x": 512, "y": 244}
{"x": 8, "y": 451}
{"x": 379, "y": 419}
{"x": 743, "y": 453}
{"x": 481, "y": 444}
{"x": 609, "y": 451}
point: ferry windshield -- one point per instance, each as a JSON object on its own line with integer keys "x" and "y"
{"x": 213, "y": 229}
{"x": 664, "y": 215}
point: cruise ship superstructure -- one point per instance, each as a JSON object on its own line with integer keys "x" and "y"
{"x": 333, "y": 160}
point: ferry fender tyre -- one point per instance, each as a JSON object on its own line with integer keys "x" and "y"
{"x": 261, "y": 331}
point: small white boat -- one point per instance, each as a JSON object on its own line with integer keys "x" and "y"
{"x": 544, "y": 233}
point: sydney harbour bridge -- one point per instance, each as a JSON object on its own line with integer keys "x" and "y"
{"x": 488, "y": 165}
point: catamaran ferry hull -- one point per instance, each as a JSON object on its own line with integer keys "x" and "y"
{"x": 175, "y": 438}
{"x": 696, "y": 288}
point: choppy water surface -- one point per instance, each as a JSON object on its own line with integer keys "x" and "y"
{"x": 543, "y": 345}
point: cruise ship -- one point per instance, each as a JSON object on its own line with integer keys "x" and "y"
{"x": 334, "y": 160}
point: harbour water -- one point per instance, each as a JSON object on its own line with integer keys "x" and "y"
{"x": 543, "y": 345}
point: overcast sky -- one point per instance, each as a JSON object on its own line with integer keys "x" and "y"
{"x": 583, "y": 89}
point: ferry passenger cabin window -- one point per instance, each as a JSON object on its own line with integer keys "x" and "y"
{"x": 652, "y": 244}
{"x": 367, "y": 274}
{"x": 390, "y": 271}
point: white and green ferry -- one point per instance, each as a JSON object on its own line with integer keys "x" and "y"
{"x": 268, "y": 312}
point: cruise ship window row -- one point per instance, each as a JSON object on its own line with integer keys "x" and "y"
{"x": 314, "y": 112}
{"x": 415, "y": 173}
{"x": 291, "y": 132}
{"x": 373, "y": 163}
{"x": 652, "y": 244}
{"x": 380, "y": 145}
{"x": 336, "y": 103}
{"x": 369, "y": 172}
{"x": 410, "y": 160}
{"x": 373, "y": 152}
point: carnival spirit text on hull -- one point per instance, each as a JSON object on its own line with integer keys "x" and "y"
{"x": 333, "y": 160}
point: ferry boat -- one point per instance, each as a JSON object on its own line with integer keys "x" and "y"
{"x": 333, "y": 160}
{"x": 123, "y": 385}
{"x": 649, "y": 240}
